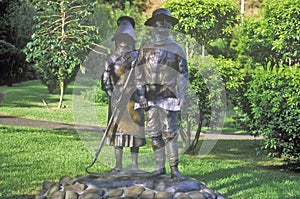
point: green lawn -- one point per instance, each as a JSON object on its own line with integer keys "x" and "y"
{"x": 30, "y": 156}
{"x": 25, "y": 100}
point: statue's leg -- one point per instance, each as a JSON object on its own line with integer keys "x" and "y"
{"x": 134, "y": 158}
{"x": 158, "y": 147}
{"x": 154, "y": 132}
{"x": 170, "y": 135}
{"x": 119, "y": 155}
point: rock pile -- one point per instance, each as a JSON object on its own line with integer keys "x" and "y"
{"x": 135, "y": 186}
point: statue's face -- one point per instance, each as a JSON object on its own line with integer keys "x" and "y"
{"x": 124, "y": 42}
{"x": 163, "y": 23}
{"x": 161, "y": 28}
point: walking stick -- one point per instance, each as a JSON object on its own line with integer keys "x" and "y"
{"x": 115, "y": 114}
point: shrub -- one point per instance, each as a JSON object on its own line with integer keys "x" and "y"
{"x": 274, "y": 98}
{"x": 96, "y": 94}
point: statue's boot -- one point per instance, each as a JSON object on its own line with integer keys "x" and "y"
{"x": 172, "y": 149}
{"x": 159, "y": 154}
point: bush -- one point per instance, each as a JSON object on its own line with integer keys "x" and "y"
{"x": 274, "y": 98}
{"x": 96, "y": 94}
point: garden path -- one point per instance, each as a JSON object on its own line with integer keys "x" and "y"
{"x": 19, "y": 121}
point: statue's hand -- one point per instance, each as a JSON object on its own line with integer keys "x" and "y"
{"x": 109, "y": 92}
{"x": 143, "y": 102}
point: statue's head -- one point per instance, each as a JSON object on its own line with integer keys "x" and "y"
{"x": 161, "y": 18}
{"x": 125, "y": 37}
{"x": 162, "y": 22}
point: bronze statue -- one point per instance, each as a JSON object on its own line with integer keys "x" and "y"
{"x": 129, "y": 130}
{"x": 161, "y": 76}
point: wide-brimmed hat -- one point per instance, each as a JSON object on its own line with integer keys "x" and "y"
{"x": 125, "y": 26}
{"x": 124, "y": 18}
{"x": 161, "y": 13}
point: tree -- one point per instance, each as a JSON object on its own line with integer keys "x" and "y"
{"x": 15, "y": 28}
{"x": 282, "y": 17}
{"x": 204, "y": 20}
{"x": 274, "y": 98}
{"x": 62, "y": 35}
{"x": 272, "y": 39}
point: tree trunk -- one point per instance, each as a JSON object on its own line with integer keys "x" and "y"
{"x": 242, "y": 10}
{"x": 61, "y": 88}
{"x": 203, "y": 50}
{"x": 192, "y": 147}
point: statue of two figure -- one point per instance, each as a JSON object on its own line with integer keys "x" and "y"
{"x": 156, "y": 78}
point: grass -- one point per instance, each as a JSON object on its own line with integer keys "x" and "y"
{"x": 238, "y": 170}
{"x": 25, "y": 100}
{"x": 30, "y": 156}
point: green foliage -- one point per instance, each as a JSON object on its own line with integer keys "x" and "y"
{"x": 272, "y": 39}
{"x": 274, "y": 98}
{"x": 231, "y": 73}
{"x": 103, "y": 20}
{"x": 63, "y": 34}
{"x": 282, "y": 17}
{"x": 207, "y": 87}
{"x": 253, "y": 42}
{"x": 15, "y": 27}
{"x": 10, "y": 71}
{"x": 268, "y": 98}
{"x": 204, "y": 20}
{"x": 132, "y": 10}
{"x": 96, "y": 94}
{"x": 121, "y": 4}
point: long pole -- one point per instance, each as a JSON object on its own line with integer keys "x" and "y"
{"x": 115, "y": 114}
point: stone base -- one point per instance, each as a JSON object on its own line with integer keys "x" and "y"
{"x": 126, "y": 185}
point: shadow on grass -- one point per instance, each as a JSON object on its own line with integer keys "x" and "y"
{"x": 235, "y": 168}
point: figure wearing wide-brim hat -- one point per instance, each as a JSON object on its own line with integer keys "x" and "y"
{"x": 161, "y": 13}
{"x": 161, "y": 81}
{"x": 125, "y": 26}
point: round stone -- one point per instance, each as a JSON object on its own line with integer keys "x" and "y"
{"x": 65, "y": 179}
{"x": 219, "y": 195}
{"x": 54, "y": 187}
{"x": 148, "y": 194}
{"x": 89, "y": 196}
{"x": 57, "y": 195}
{"x": 71, "y": 195}
{"x": 76, "y": 188}
{"x": 182, "y": 196}
{"x": 115, "y": 193}
{"x": 100, "y": 191}
{"x": 47, "y": 184}
{"x": 210, "y": 192}
{"x": 40, "y": 193}
{"x": 134, "y": 191}
{"x": 164, "y": 195}
{"x": 196, "y": 195}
